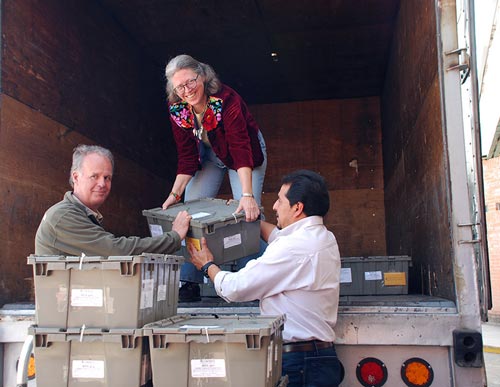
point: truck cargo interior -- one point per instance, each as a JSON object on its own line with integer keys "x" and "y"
{"x": 350, "y": 91}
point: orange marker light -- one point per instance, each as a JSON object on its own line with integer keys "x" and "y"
{"x": 416, "y": 372}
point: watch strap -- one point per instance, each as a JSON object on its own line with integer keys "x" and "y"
{"x": 205, "y": 267}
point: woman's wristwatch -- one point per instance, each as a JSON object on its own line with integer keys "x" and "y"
{"x": 205, "y": 267}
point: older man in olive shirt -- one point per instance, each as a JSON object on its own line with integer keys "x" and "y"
{"x": 73, "y": 226}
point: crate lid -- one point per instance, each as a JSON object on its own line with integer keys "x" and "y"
{"x": 143, "y": 258}
{"x": 70, "y": 334}
{"x": 377, "y": 258}
{"x": 214, "y": 324}
{"x": 205, "y": 211}
{"x": 126, "y": 264}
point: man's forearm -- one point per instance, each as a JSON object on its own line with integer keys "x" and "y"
{"x": 266, "y": 229}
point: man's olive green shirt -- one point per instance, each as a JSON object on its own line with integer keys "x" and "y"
{"x": 67, "y": 229}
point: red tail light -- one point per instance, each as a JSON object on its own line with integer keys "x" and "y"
{"x": 371, "y": 372}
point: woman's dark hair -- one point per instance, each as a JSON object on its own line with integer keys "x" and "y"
{"x": 310, "y": 189}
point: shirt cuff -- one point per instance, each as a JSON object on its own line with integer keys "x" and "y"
{"x": 218, "y": 280}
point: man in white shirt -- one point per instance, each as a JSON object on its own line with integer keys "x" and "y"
{"x": 298, "y": 275}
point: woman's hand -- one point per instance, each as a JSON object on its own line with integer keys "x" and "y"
{"x": 178, "y": 188}
{"x": 249, "y": 205}
{"x": 170, "y": 200}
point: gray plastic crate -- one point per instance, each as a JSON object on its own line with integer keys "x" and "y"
{"x": 228, "y": 235}
{"x": 91, "y": 358}
{"x": 374, "y": 275}
{"x": 105, "y": 292}
{"x": 216, "y": 351}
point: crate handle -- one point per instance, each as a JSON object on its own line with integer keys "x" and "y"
{"x": 41, "y": 341}
{"x": 253, "y": 341}
{"x": 41, "y": 269}
{"x": 160, "y": 341}
{"x": 127, "y": 269}
{"x": 129, "y": 342}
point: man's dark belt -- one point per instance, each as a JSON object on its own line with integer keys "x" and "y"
{"x": 306, "y": 346}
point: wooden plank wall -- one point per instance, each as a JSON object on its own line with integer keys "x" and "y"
{"x": 70, "y": 75}
{"x": 71, "y": 61}
{"x": 35, "y": 159}
{"x": 414, "y": 159}
{"x": 325, "y": 136}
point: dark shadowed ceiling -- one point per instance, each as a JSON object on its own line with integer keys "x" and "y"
{"x": 324, "y": 48}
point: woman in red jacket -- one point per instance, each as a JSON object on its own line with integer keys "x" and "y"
{"x": 215, "y": 134}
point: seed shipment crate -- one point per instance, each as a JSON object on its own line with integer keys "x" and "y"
{"x": 374, "y": 275}
{"x": 228, "y": 235}
{"x": 105, "y": 292}
{"x": 216, "y": 351}
{"x": 91, "y": 358}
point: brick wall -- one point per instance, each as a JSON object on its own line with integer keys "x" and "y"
{"x": 491, "y": 169}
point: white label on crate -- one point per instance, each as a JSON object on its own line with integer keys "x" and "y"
{"x": 147, "y": 293}
{"x": 208, "y": 368}
{"x": 345, "y": 275}
{"x": 373, "y": 275}
{"x": 162, "y": 293}
{"x": 199, "y": 215}
{"x": 87, "y": 297}
{"x": 233, "y": 240}
{"x": 156, "y": 229}
{"x": 87, "y": 369}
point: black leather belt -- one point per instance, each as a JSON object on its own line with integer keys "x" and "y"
{"x": 306, "y": 346}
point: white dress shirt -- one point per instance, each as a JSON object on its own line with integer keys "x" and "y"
{"x": 298, "y": 275}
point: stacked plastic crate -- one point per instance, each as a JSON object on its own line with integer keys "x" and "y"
{"x": 374, "y": 275}
{"x": 215, "y": 350}
{"x": 90, "y": 312}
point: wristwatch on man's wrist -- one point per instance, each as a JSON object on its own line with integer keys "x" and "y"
{"x": 205, "y": 267}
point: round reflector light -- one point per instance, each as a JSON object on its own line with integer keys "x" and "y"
{"x": 371, "y": 372}
{"x": 416, "y": 372}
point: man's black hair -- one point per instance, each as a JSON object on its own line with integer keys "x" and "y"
{"x": 310, "y": 189}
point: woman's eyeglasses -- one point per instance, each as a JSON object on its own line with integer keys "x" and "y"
{"x": 181, "y": 89}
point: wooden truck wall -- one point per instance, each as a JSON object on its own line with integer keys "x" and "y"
{"x": 71, "y": 75}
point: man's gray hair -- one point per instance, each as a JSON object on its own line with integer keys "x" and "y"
{"x": 81, "y": 151}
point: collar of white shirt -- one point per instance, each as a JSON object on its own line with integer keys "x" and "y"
{"x": 291, "y": 228}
